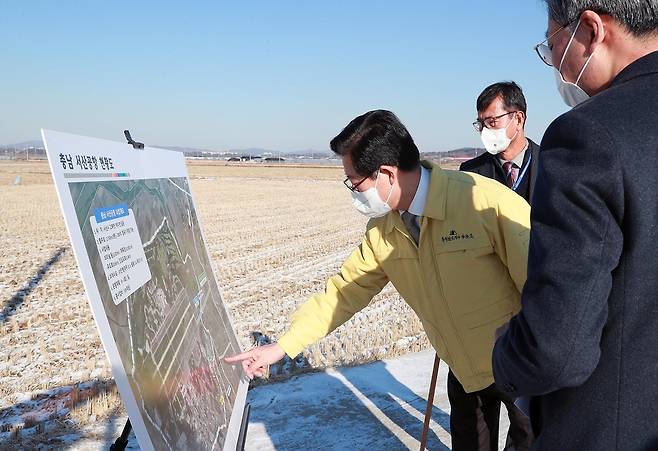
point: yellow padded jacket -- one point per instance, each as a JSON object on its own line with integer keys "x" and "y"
{"x": 463, "y": 280}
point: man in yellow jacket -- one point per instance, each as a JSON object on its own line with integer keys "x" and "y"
{"x": 453, "y": 244}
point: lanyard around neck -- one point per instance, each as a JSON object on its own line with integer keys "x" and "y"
{"x": 525, "y": 169}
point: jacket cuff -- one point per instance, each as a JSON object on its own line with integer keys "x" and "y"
{"x": 290, "y": 345}
{"x": 501, "y": 380}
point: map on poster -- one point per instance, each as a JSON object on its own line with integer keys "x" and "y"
{"x": 144, "y": 263}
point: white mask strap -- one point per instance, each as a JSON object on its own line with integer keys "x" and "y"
{"x": 389, "y": 193}
{"x": 567, "y": 48}
{"x": 584, "y": 67}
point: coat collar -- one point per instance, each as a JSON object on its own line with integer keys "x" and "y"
{"x": 646, "y": 65}
{"x": 435, "y": 206}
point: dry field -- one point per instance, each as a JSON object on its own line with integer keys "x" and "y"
{"x": 274, "y": 233}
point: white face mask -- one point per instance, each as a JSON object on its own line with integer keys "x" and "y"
{"x": 571, "y": 93}
{"x": 496, "y": 141}
{"x": 369, "y": 203}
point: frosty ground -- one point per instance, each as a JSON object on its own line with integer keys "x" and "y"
{"x": 380, "y": 405}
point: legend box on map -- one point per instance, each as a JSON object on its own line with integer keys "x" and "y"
{"x": 120, "y": 249}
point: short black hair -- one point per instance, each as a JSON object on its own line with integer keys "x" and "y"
{"x": 508, "y": 91}
{"x": 639, "y": 17}
{"x": 374, "y": 139}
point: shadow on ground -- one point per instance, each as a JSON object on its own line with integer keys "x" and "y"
{"x": 10, "y": 306}
{"x": 363, "y": 407}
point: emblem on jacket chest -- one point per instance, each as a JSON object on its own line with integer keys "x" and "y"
{"x": 454, "y": 236}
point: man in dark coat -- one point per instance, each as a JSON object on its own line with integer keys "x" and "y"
{"x": 511, "y": 158}
{"x": 584, "y": 347}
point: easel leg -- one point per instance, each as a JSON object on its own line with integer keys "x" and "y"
{"x": 242, "y": 438}
{"x": 122, "y": 441}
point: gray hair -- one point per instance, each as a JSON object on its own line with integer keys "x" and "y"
{"x": 640, "y": 17}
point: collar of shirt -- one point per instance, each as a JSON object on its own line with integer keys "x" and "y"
{"x": 417, "y": 206}
{"x": 517, "y": 160}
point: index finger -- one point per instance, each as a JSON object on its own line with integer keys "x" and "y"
{"x": 239, "y": 357}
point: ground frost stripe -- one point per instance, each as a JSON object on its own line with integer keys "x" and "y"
{"x": 376, "y": 411}
{"x": 275, "y": 274}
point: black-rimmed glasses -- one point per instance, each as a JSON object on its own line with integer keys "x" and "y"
{"x": 353, "y": 186}
{"x": 489, "y": 122}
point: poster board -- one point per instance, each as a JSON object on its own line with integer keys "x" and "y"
{"x": 144, "y": 264}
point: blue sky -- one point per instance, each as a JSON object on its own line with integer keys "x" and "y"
{"x": 280, "y": 75}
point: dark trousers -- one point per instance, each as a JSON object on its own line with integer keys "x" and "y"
{"x": 475, "y": 418}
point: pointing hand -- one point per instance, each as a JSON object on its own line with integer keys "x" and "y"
{"x": 256, "y": 360}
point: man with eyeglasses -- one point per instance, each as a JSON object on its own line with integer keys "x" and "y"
{"x": 511, "y": 158}
{"x": 584, "y": 348}
{"x": 453, "y": 244}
